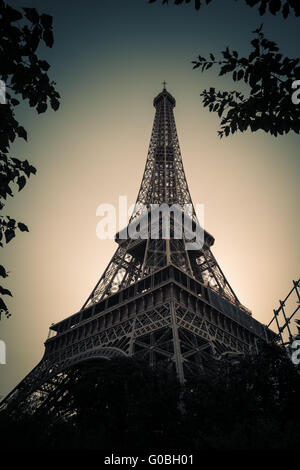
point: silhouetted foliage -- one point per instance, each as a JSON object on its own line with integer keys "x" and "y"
{"x": 269, "y": 76}
{"x": 25, "y": 77}
{"x": 105, "y": 404}
{"x": 124, "y": 404}
{"x": 253, "y": 404}
{"x": 285, "y": 7}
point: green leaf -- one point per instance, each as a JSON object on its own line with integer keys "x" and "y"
{"x": 285, "y": 10}
{"x": 41, "y": 108}
{"x": 9, "y": 235}
{"x": 46, "y": 21}
{"x": 197, "y": 4}
{"x": 262, "y": 8}
{"x": 3, "y": 272}
{"x": 22, "y": 133}
{"x": 23, "y": 227}
{"x": 21, "y": 181}
{"x": 48, "y": 37}
{"x": 274, "y": 6}
{"x": 31, "y": 14}
{"x": 3, "y": 307}
{"x": 32, "y": 169}
{"x": 240, "y": 74}
{"x": 44, "y": 65}
{"x": 55, "y": 103}
{"x": 10, "y": 14}
{"x": 5, "y": 291}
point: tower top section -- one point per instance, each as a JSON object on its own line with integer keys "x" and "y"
{"x": 164, "y": 96}
{"x": 163, "y": 184}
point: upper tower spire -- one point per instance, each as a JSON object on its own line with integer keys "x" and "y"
{"x": 164, "y": 179}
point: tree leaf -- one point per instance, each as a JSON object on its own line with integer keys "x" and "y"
{"x": 48, "y": 37}
{"x": 32, "y": 15}
{"x": 285, "y": 10}
{"x": 240, "y": 74}
{"x": 41, "y": 107}
{"x": 11, "y": 14}
{"x": 44, "y": 65}
{"x": 21, "y": 181}
{"x": 55, "y": 104}
{"x": 23, "y": 227}
{"x": 3, "y": 307}
{"x": 22, "y": 132}
{"x": 3, "y": 272}
{"x": 5, "y": 291}
{"x": 9, "y": 235}
{"x": 46, "y": 21}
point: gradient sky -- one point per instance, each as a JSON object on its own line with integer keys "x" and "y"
{"x": 109, "y": 59}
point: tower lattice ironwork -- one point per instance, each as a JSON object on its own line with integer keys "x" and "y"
{"x": 156, "y": 300}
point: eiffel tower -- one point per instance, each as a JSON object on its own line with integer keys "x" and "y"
{"x": 156, "y": 300}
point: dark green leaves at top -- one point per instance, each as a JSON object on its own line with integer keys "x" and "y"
{"x": 48, "y": 37}
{"x": 25, "y": 77}
{"x": 21, "y": 69}
{"x": 286, "y": 7}
{"x": 269, "y": 77}
{"x": 46, "y": 21}
{"x": 197, "y": 3}
{"x": 286, "y": 10}
{"x": 11, "y": 14}
{"x": 32, "y": 15}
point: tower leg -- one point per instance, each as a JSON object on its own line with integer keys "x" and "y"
{"x": 176, "y": 342}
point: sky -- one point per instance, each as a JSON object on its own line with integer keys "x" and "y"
{"x": 109, "y": 60}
